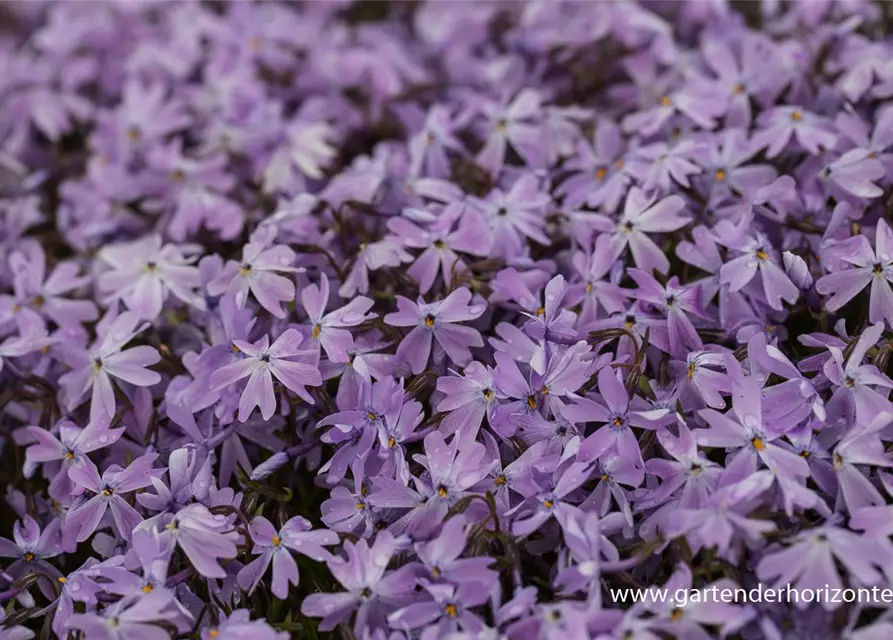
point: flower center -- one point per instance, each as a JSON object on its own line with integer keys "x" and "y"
{"x": 277, "y": 541}
{"x": 548, "y": 503}
{"x": 691, "y": 370}
{"x": 151, "y": 267}
{"x": 600, "y": 174}
{"x": 107, "y": 492}
{"x": 317, "y": 329}
{"x": 762, "y": 255}
{"x": 439, "y": 244}
{"x": 531, "y": 402}
{"x": 148, "y": 588}
{"x": 797, "y": 115}
{"x": 488, "y": 394}
{"x": 245, "y": 269}
{"x": 666, "y": 101}
{"x": 429, "y": 321}
{"x": 500, "y": 480}
{"x": 720, "y": 175}
{"x": 676, "y": 615}
{"x": 738, "y": 89}
{"x": 451, "y": 610}
{"x": 29, "y": 556}
{"x": 877, "y": 269}
{"x": 392, "y": 442}
{"x": 617, "y": 421}
{"x": 442, "y": 491}
{"x": 758, "y": 443}
{"x": 39, "y": 301}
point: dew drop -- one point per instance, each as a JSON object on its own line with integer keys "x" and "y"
{"x": 752, "y": 264}
{"x": 103, "y": 438}
{"x": 240, "y": 299}
{"x": 284, "y": 260}
{"x": 76, "y": 586}
{"x": 750, "y": 421}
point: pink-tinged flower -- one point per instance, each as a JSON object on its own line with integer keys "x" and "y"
{"x": 262, "y": 362}
{"x": 643, "y": 215}
{"x": 143, "y": 273}
{"x": 436, "y": 320}
{"x": 276, "y": 549}
{"x": 107, "y": 493}
{"x": 515, "y": 124}
{"x": 331, "y": 330}
{"x": 874, "y": 267}
{"x": 94, "y": 368}
{"x": 258, "y": 273}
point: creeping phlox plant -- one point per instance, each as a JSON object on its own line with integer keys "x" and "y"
{"x": 445, "y": 319}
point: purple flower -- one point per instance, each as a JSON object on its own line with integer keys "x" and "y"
{"x": 145, "y": 272}
{"x": 809, "y": 563}
{"x": 437, "y": 320}
{"x": 240, "y": 626}
{"x": 331, "y": 330}
{"x": 447, "y": 611}
{"x": 87, "y": 516}
{"x": 258, "y": 273}
{"x": 262, "y": 361}
{"x": 618, "y": 415}
{"x": 203, "y": 537}
{"x": 106, "y": 359}
{"x": 276, "y": 548}
{"x": 70, "y": 448}
{"x": 372, "y": 590}
{"x": 643, "y": 215}
{"x": 874, "y": 267}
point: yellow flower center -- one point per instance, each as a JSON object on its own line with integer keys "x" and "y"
{"x": 316, "y": 330}
{"x": 500, "y": 480}
{"x": 666, "y": 101}
{"x": 213, "y": 633}
{"x": 392, "y": 442}
{"x": 360, "y": 506}
{"x": 758, "y": 443}
{"x": 540, "y": 311}
{"x": 548, "y": 503}
{"x": 600, "y": 174}
{"x": 691, "y": 369}
{"x": 531, "y": 402}
{"x": 676, "y": 615}
{"x": 797, "y": 116}
{"x": 62, "y": 579}
{"x": 277, "y": 541}
{"x": 148, "y": 588}
{"x": 429, "y": 321}
{"x": 29, "y": 556}
{"x": 451, "y": 610}
{"x": 720, "y": 175}
{"x": 762, "y": 255}
{"x": 588, "y": 287}
{"x": 488, "y": 394}
{"x": 617, "y": 421}
{"x": 442, "y": 491}
{"x": 738, "y": 89}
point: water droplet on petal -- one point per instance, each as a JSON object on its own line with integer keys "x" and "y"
{"x": 240, "y": 299}
{"x": 551, "y": 296}
{"x": 750, "y": 421}
{"x": 76, "y": 586}
{"x": 284, "y": 260}
{"x": 752, "y": 264}
{"x": 103, "y": 438}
